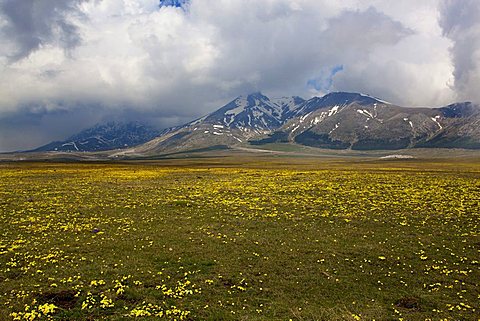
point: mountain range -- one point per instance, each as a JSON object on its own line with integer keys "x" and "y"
{"x": 338, "y": 120}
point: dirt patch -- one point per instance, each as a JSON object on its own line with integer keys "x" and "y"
{"x": 63, "y": 299}
{"x": 410, "y": 303}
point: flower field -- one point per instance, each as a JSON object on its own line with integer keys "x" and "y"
{"x": 154, "y": 241}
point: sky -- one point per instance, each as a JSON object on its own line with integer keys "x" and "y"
{"x": 67, "y": 65}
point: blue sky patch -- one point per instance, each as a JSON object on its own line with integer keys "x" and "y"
{"x": 325, "y": 80}
{"x": 173, "y": 3}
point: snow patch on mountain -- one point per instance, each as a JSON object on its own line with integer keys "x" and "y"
{"x": 435, "y": 120}
{"x": 241, "y": 104}
{"x": 377, "y": 99}
{"x": 333, "y": 111}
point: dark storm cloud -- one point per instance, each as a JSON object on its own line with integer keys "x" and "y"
{"x": 32, "y": 23}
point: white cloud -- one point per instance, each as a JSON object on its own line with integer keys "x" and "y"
{"x": 460, "y": 22}
{"x": 131, "y": 58}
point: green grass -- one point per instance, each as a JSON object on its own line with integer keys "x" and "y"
{"x": 273, "y": 239}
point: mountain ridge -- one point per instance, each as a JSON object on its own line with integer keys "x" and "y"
{"x": 104, "y": 136}
{"x": 338, "y": 120}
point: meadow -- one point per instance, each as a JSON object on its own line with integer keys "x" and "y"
{"x": 266, "y": 240}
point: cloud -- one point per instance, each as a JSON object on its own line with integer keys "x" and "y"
{"x": 460, "y": 22}
{"x": 170, "y": 61}
{"x": 30, "y": 24}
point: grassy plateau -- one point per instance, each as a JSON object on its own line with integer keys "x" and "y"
{"x": 240, "y": 239}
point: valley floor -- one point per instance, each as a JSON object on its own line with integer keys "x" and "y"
{"x": 241, "y": 238}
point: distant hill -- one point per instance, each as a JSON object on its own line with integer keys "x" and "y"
{"x": 104, "y": 136}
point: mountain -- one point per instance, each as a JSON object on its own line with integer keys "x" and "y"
{"x": 338, "y": 120}
{"x": 462, "y": 127}
{"x": 105, "y": 136}
{"x": 243, "y": 119}
{"x": 355, "y": 121}
{"x": 255, "y": 111}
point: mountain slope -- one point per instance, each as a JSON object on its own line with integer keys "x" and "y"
{"x": 355, "y": 121}
{"x": 237, "y": 122}
{"x": 461, "y": 129}
{"x": 106, "y": 136}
